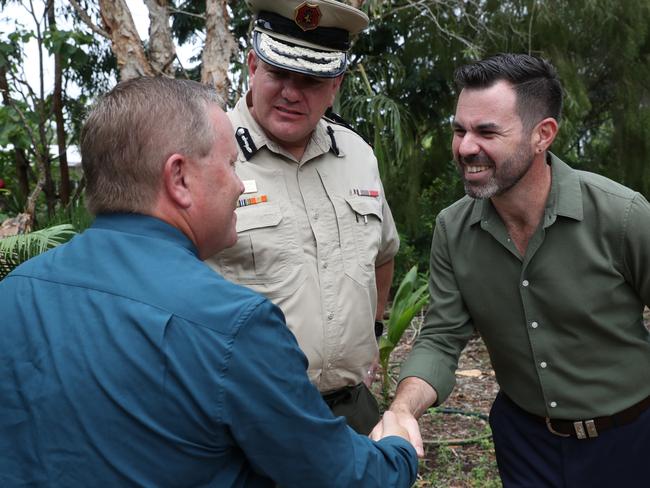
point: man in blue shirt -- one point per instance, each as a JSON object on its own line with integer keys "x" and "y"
{"x": 126, "y": 361}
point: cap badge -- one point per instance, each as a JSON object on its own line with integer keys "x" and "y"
{"x": 307, "y": 16}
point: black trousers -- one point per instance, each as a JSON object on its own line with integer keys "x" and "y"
{"x": 528, "y": 455}
{"x": 357, "y": 404}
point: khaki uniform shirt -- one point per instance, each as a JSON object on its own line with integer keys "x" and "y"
{"x": 563, "y": 323}
{"x": 311, "y": 233}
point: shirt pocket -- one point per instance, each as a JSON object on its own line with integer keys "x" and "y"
{"x": 261, "y": 255}
{"x": 364, "y": 219}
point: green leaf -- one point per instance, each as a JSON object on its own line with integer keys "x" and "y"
{"x": 17, "y": 249}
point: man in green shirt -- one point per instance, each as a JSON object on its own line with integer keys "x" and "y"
{"x": 552, "y": 267}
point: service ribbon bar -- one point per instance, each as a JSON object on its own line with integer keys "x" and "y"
{"x": 365, "y": 193}
{"x": 245, "y": 202}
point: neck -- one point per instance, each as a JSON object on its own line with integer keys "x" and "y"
{"x": 296, "y": 149}
{"x": 522, "y": 207}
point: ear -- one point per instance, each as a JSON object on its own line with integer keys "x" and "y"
{"x": 175, "y": 180}
{"x": 252, "y": 62}
{"x": 544, "y": 134}
{"x": 335, "y": 88}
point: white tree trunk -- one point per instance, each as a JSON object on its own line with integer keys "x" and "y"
{"x": 126, "y": 43}
{"x": 219, "y": 47}
{"x": 162, "y": 50}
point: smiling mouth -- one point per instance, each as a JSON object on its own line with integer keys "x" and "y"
{"x": 476, "y": 169}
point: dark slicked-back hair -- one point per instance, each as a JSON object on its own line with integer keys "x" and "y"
{"x": 132, "y": 130}
{"x": 535, "y": 81}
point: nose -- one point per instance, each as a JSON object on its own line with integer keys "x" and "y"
{"x": 467, "y": 145}
{"x": 290, "y": 90}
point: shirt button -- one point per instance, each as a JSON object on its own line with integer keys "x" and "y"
{"x": 525, "y": 283}
{"x": 325, "y": 265}
{"x": 316, "y": 215}
{"x": 543, "y": 364}
{"x": 553, "y": 404}
{"x": 534, "y": 325}
{"x": 330, "y": 316}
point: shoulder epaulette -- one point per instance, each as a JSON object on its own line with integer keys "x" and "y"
{"x": 335, "y": 118}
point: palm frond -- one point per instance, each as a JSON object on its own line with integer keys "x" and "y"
{"x": 17, "y": 249}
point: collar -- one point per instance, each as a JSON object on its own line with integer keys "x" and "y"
{"x": 143, "y": 225}
{"x": 564, "y": 199}
{"x": 251, "y": 137}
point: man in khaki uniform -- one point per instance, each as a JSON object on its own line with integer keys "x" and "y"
{"x": 316, "y": 235}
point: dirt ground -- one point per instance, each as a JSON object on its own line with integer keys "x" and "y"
{"x": 459, "y": 450}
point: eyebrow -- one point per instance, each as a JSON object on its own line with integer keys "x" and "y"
{"x": 480, "y": 127}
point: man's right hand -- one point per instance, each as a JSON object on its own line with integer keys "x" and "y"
{"x": 412, "y": 398}
{"x": 402, "y": 424}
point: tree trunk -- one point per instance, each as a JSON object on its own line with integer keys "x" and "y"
{"x": 162, "y": 51}
{"x": 41, "y": 143}
{"x": 20, "y": 159}
{"x": 57, "y": 108}
{"x": 126, "y": 43}
{"x": 219, "y": 47}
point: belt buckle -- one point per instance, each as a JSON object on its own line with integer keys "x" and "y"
{"x": 583, "y": 429}
{"x": 579, "y": 426}
{"x": 591, "y": 428}
{"x": 550, "y": 428}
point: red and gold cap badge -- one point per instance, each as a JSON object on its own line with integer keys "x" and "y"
{"x": 307, "y": 16}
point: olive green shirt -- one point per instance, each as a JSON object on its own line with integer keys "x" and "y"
{"x": 563, "y": 324}
{"x": 312, "y": 246}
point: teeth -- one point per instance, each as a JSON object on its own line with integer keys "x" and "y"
{"x": 476, "y": 169}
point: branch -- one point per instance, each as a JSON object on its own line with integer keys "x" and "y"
{"x": 30, "y": 207}
{"x": 184, "y": 12}
{"x": 87, "y": 20}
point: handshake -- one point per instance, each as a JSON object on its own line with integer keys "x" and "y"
{"x": 400, "y": 423}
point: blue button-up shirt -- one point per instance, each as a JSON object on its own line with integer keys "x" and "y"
{"x": 126, "y": 361}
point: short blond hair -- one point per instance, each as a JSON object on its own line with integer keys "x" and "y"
{"x": 132, "y": 130}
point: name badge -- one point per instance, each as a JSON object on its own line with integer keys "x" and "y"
{"x": 250, "y": 186}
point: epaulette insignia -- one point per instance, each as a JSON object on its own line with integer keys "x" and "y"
{"x": 335, "y": 148}
{"x": 245, "y": 141}
{"x": 335, "y": 118}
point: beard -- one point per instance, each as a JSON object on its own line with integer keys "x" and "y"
{"x": 504, "y": 176}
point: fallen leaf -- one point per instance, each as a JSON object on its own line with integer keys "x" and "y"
{"x": 470, "y": 373}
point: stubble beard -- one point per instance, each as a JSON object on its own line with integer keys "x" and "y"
{"x": 504, "y": 177}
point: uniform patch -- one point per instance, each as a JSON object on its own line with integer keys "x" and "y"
{"x": 250, "y": 186}
{"x": 307, "y": 16}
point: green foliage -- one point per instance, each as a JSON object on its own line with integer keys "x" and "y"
{"x": 399, "y": 91}
{"x": 70, "y": 44}
{"x": 17, "y": 249}
{"x": 75, "y": 214}
{"x": 411, "y": 296}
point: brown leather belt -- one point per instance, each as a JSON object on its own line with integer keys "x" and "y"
{"x": 587, "y": 429}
